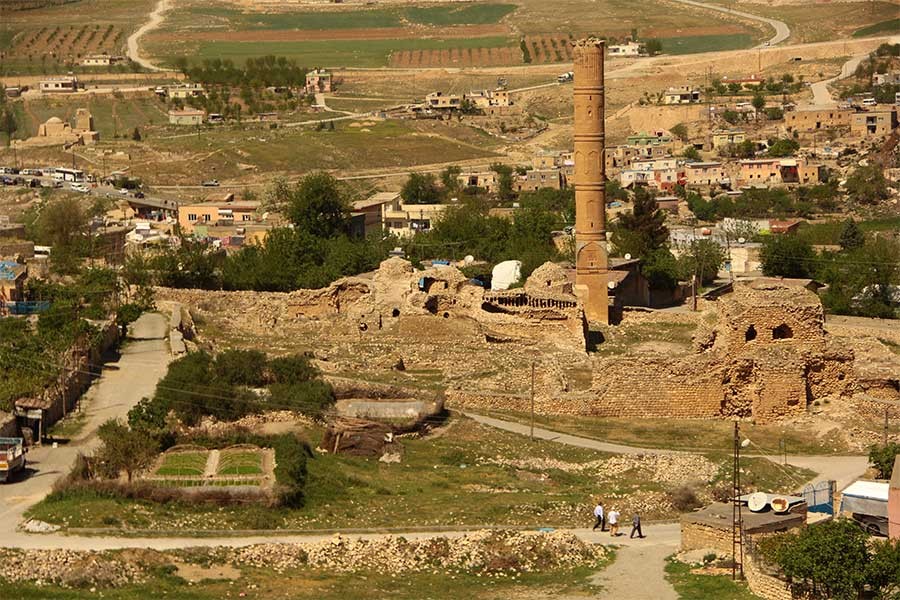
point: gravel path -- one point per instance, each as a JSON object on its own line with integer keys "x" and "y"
{"x": 638, "y": 573}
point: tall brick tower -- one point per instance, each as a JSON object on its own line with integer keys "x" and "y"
{"x": 590, "y": 181}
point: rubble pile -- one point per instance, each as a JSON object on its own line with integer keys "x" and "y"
{"x": 255, "y": 422}
{"x": 664, "y": 468}
{"x": 481, "y": 551}
{"x": 68, "y": 568}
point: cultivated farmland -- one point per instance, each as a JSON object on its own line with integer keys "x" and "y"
{"x": 47, "y": 49}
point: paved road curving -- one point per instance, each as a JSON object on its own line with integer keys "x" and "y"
{"x": 156, "y": 19}
{"x": 782, "y": 31}
{"x": 822, "y": 95}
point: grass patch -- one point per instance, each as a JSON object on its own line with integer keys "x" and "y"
{"x": 69, "y": 427}
{"x": 619, "y": 340}
{"x": 891, "y": 26}
{"x": 314, "y": 584}
{"x": 480, "y": 14}
{"x": 183, "y": 463}
{"x": 240, "y": 462}
{"x": 691, "y": 434}
{"x": 692, "y": 586}
{"x": 451, "y": 479}
{"x": 334, "y": 53}
{"x": 706, "y": 43}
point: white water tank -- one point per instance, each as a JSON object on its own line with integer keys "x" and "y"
{"x": 505, "y": 274}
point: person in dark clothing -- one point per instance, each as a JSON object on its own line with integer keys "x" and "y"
{"x": 636, "y": 525}
{"x": 601, "y": 521}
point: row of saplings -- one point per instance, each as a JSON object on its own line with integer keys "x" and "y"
{"x": 227, "y": 387}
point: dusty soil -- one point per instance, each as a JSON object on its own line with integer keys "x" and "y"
{"x": 288, "y": 35}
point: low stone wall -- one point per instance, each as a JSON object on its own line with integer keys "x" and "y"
{"x": 695, "y": 536}
{"x": 762, "y": 584}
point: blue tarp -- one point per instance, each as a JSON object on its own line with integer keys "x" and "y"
{"x": 27, "y": 308}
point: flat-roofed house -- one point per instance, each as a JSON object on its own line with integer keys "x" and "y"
{"x": 818, "y": 118}
{"x": 224, "y": 212}
{"x": 874, "y": 122}
{"x": 705, "y": 174}
{"x": 186, "y": 116}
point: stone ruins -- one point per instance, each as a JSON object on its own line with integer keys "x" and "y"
{"x": 762, "y": 353}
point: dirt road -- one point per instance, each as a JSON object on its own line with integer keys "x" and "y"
{"x": 782, "y": 31}
{"x": 143, "y": 361}
{"x": 156, "y": 18}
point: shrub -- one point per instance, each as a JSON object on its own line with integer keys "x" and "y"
{"x": 684, "y": 499}
{"x": 312, "y": 398}
{"x": 241, "y": 367}
{"x": 883, "y": 457}
{"x": 295, "y": 368}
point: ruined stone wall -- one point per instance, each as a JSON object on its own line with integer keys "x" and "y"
{"x": 746, "y": 328}
{"x": 762, "y": 584}
{"x": 781, "y": 386}
{"x": 658, "y": 387}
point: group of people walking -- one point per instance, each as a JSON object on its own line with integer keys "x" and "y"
{"x": 611, "y": 519}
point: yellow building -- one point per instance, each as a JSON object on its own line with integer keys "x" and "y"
{"x": 215, "y": 213}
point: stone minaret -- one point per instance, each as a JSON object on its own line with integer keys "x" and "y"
{"x": 590, "y": 181}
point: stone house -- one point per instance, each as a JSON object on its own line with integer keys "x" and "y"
{"x": 684, "y": 94}
{"x": 441, "y": 101}
{"x": 723, "y": 139}
{"x": 874, "y": 123}
{"x": 818, "y": 118}
{"x": 536, "y": 179}
{"x": 705, "y": 174}
{"x": 56, "y": 85}
{"x": 628, "y": 49}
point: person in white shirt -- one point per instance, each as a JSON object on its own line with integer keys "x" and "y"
{"x": 613, "y": 517}
{"x": 601, "y": 522}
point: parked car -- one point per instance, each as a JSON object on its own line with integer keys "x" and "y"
{"x": 211, "y": 183}
{"x": 139, "y": 194}
{"x": 123, "y": 191}
{"x": 12, "y": 457}
{"x": 80, "y": 187}
{"x": 871, "y": 524}
{"x": 8, "y": 181}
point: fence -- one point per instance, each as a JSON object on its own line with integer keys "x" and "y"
{"x": 819, "y": 497}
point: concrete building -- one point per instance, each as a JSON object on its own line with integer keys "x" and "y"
{"x": 764, "y": 172}
{"x": 706, "y": 174}
{"x": 186, "y": 116}
{"x": 723, "y": 139}
{"x": 486, "y": 180}
{"x": 216, "y": 213}
{"x": 684, "y": 94}
{"x": 441, "y": 101}
{"x": 874, "y": 123}
{"x": 372, "y": 210}
{"x": 386, "y": 211}
{"x": 486, "y": 99}
{"x": 59, "y": 85}
{"x": 591, "y": 259}
{"x": 818, "y": 118}
{"x": 625, "y": 50}
{"x": 657, "y": 137}
{"x": 319, "y": 81}
{"x": 101, "y": 60}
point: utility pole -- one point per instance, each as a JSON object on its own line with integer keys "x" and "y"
{"x": 885, "y": 425}
{"x": 737, "y": 518}
{"x": 532, "y": 400}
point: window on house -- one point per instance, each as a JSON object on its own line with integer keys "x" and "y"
{"x": 192, "y": 217}
{"x": 207, "y": 217}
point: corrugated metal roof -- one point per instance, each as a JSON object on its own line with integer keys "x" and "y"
{"x": 10, "y": 270}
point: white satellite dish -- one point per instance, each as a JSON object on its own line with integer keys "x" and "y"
{"x": 741, "y": 240}
{"x": 757, "y": 502}
{"x": 469, "y": 259}
{"x": 628, "y": 257}
{"x": 780, "y": 505}
{"x": 611, "y": 285}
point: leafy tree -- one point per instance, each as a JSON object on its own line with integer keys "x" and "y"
{"x": 883, "y": 572}
{"x": 852, "y": 236}
{"x": 829, "y": 560}
{"x": 653, "y": 46}
{"x": 691, "y": 153}
{"x": 882, "y": 458}
{"x": 124, "y": 448}
{"x": 643, "y": 229}
{"x": 867, "y": 185}
{"x": 62, "y": 224}
{"x": 783, "y": 147}
{"x": 295, "y": 368}
{"x": 317, "y": 206}
{"x": 661, "y": 269}
{"x": 730, "y": 116}
{"x": 615, "y": 191}
{"x": 759, "y": 103}
{"x": 787, "y": 256}
{"x": 680, "y": 131}
{"x": 449, "y": 178}
{"x": 420, "y": 188}
{"x": 193, "y": 264}
{"x": 311, "y": 397}
{"x": 504, "y": 181}
{"x": 703, "y": 257}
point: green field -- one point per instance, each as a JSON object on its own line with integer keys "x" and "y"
{"x": 706, "y": 43}
{"x": 240, "y": 462}
{"x": 889, "y": 27}
{"x": 183, "y": 464}
{"x": 336, "y": 53}
{"x": 829, "y": 233}
{"x": 442, "y": 16}
{"x": 112, "y": 116}
{"x": 692, "y": 586}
